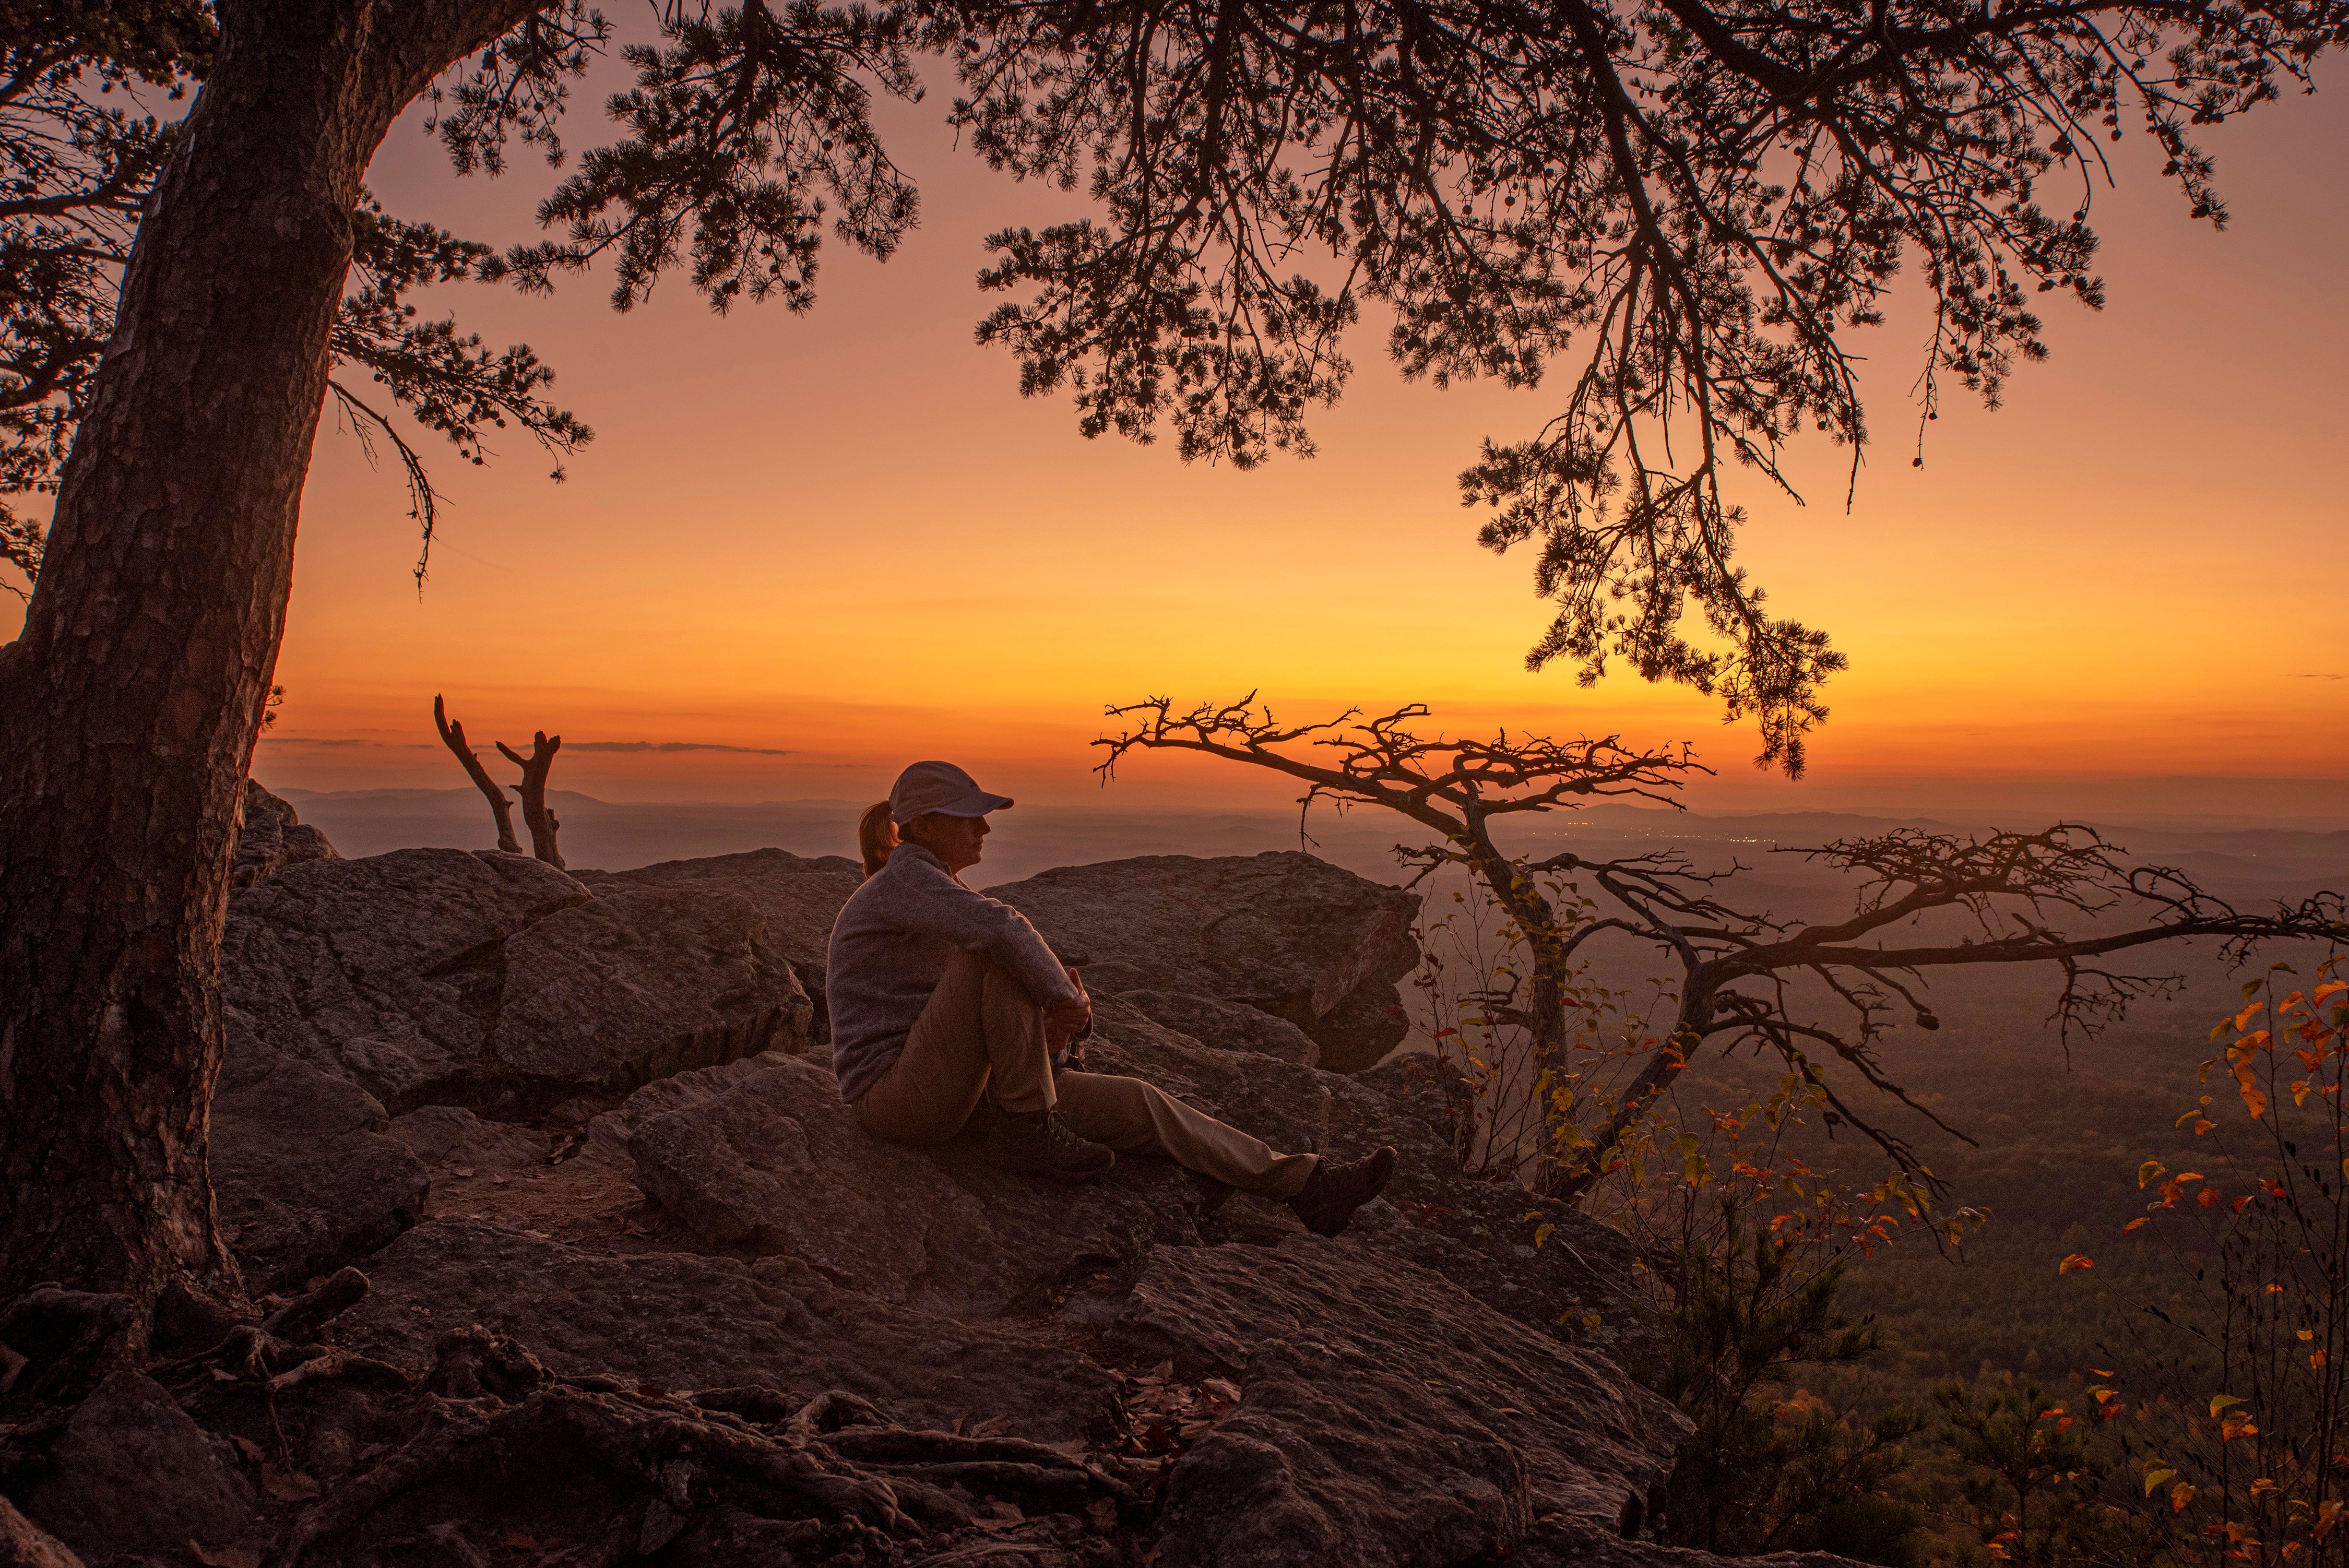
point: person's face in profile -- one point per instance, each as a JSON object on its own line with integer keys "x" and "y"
{"x": 954, "y": 840}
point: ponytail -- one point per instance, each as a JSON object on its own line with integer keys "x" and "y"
{"x": 876, "y": 835}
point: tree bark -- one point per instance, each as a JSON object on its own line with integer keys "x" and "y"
{"x": 129, "y": 704}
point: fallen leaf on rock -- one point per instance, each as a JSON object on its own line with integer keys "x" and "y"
{"x": 224, "y": 1556}
{"x": 1222, "y": 1388}
{"x": 1000, "y": 1516}
{"x": 1102, "y": 1512}
{"x": 994, "y": 1426}
{"x": 462, "y": 1172}
{"x": 248, "y": 1447}
{"x": 287, "y": 1486}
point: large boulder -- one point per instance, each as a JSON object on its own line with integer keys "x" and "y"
{"x": 641, "y": 984}
{"x": 1386, "y": 1419}
{"x": 388, "y": 970}
{"x": 1282, "y": 932}
{"x": 497, "y": 982}
{"x": 800, "y": 897}
{"x": 303, "y": 1177}
{"x": 133, "y": 1473}
{"x": 764, "y": 1158}
{"x": 685, "y": 1323}
{"x": 271, "y": 836}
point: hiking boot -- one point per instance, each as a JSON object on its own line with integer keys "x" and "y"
{"x": 1335, "y": 1189}
{"x": 1038, "y": 1143}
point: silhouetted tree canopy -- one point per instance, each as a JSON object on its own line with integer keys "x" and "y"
{"x": 80, "y": 149}
{"x": 1694, "y": 204}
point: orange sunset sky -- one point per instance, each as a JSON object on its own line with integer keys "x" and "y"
{"x": 842, "y": 540}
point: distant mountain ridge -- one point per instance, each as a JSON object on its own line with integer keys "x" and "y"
{"x": 2239, "y": 862}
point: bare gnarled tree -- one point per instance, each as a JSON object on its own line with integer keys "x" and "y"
{"x": 1736, "y": 964}
{"x": 542, "y": 822}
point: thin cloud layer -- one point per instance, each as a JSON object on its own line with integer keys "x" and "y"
{"x": 672, "y": 746}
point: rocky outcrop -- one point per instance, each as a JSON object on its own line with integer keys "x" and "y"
{"x": 1385, "y": 1417}
{"x": 639, "y": 1288}
{"x": 269, "y": 836}
{"x": 1282, "y": 932}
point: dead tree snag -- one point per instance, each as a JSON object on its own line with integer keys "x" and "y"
{"x": 540, "y": 822}
{"x": 452, "y": 735}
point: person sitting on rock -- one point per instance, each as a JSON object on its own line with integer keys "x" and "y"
{"x": 940, "y": 995}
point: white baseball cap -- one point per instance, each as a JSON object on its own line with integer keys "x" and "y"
{"x": 941, "y": 787}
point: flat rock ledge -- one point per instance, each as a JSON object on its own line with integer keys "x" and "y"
{"x": 576, "y": 1259}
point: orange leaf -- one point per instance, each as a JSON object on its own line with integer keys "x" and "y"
{"x": 2074, "y": 1260}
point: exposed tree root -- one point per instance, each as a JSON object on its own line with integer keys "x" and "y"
{"x": 306, "y": 1314}
{"x": 491, "y": 1408}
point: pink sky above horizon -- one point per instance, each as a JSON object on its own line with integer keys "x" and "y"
{"x": 844, "y": 538}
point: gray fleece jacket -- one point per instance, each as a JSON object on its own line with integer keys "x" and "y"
{"x": 891, "y": 947}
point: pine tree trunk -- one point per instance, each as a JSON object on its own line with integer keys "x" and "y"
{"x": 129, "y": 704}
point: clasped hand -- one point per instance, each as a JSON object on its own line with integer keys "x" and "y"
{"x": 1069, "y": 1019}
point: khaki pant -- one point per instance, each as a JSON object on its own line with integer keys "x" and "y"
{"x": 982, "y": 1034}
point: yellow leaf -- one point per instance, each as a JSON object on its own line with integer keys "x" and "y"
{"x": 2221, "y": 1401}
{"x": 2154, "y": 1477}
